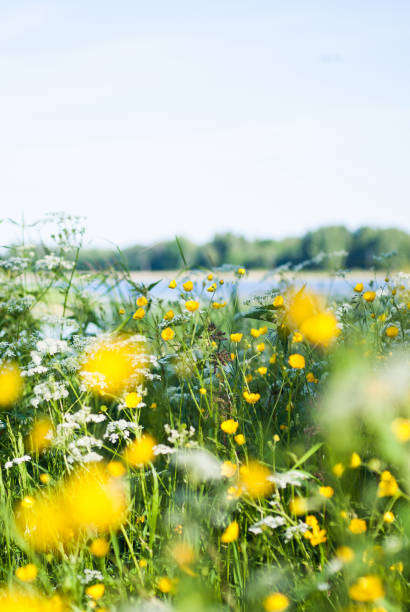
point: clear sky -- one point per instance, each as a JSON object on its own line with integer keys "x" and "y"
{"x": 155, "y": 118}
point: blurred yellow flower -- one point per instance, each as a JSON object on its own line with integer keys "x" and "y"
{"x": 202, "y": 391}
{"x": 167, "y": 585}
{"x": 276, "y": 602}
{"x": 401, "y": 429}
{"x": 278, "y": 301}
{"x": 367, "y": 589}
{"x": 392, "y": 331}
{"x": 251, "y": 398}
{"x": 355, "y": 460}
{"x": 326, "y": 492}
{"x": 254, "y": 479}
{"x": 228, "y": 469}
{"x": 320, "y": 329}
{"x": 142, "y": 301}
{"x": 231, "y": 533}
{"x": 167, "y": 334}
{"x": 358, "y": 287}
{"x": 210, "y": 276}
{"x": 240, "y": 439}
{"x": 140, "y": 452}
{"x": 273, "y": 358}
{"x": 11, "y": 384}
{"x": 345, "y": 554}
{"x": 95, "y": 591}
{"x": 139, "y": 314}
{"x": 236, "y": 337}
{"x": 388, "y": 517}
{"x": 369, "y": 296}
{"x": 298, "y": 506}
{"x": 241, "y": 271}
{"x": 338, "y": 469}
{"x": 357, "y": 526}
{"x": 262, "y": 370}
{"x": 388, "y": 485}
{"x": 260, "y": 347}
{"x": 316, "y": 535}
{"x": 310, "y": 377}
{"x": 168, "y": 316}
{"x": 99, "y": 547}
{"x": 132, "y": 400}
{"x": 27, "y": 573}
{"x": 172, "y": 284}
{"x": 188, "y": 285}
{"x": 297, "y": 337}
{"x": 192, "y": 305}
{"x": 40, "y": 436}
{"x": 296, "y": 361}
{"x": 116, "y": 469}
{"x": 230, "y": 426}
{"x": 14, "y": 600}
{"x": 255, "y": 333}
{"x": 45, "y": 478}
{"x": 212, "y": 288}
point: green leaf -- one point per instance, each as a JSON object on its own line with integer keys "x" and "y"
{"x": 308, "y": 454}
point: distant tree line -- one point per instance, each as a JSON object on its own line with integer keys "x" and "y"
{"x": 325, "y": 248}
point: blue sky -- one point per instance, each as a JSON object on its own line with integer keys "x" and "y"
{"x": 158, "y": 118}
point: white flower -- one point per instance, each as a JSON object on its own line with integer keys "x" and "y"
{"x": 291, "y": 532}
{"x": 269, "y": 521}
{"x": 16, "y": 461}
{"x": 293, "y": 477}
{"x": 199, "y": 463}
{"x": 163, "y": 449}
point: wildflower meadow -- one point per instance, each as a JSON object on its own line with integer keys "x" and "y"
{"x": 196, "y": 450}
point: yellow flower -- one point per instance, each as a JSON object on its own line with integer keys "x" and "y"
{"x": 251, "y": 398}
{"x": 45, "y": 478}
{"x": 357, "y": 526}
{"x": 95, "y": 591}
{"x": 142, "y": 563}
{"x": 401, "y": 429}
{"x": 345, "y": 554}
{"x": 338, "y": 469}
{"x": 140, "y": 452}
{"x": 99, "y": 547}
{"x": 132, "y": 400}
{"x": 278, "y": 301}
{"x": 273, "y": 359}
{"x": 212, "y": 288}
{"x": 231, "y": 533}
{"x": 188, "y": 285}
{"x": 320, "y": 329}
{"x": 358, "y": 287}
{"x": 392, "y": 331}
{"x": 254, "y": 479}
{"x": 249, "y": 378}
{"x": 230, "y": 426}
{"x": 255, "y": 333}
{"x": 192, "y": 305}
{"x": 276, "y": 438}
{"x": 388, "y": 485}
{"x": 236, "y": 337}
{"x": 297, "y": 337}
{"x": 276, "y": 602}
{"x": 139, "y": 314}
{"x": 296, "y": 361}
{"x": 142, "y": 301}
{"x": 240, "y": 439}
{"x": 399, "y": 567}
{"x": 111, "y": 366}
{"x": 14, "y": 600}
{"x": 355, "y": 460}
{"x": 262, "y": 370}
{"x": 202, "y": 391}
{"x": 166, "y": 585}
{"x": 116, "y": 469}
{"x": 210, "y": 276}
{"x": 369, "y": 296}
{"x": 168, "y": 316}
{"x": 367, "y": 588}
{"x": 310, "y": 377}
{"x": 326, "y": 492}
{"x": 298, "y": 506}
{"x": 260, "y": 347}
{"x": 167, "y": 334}
{"x": 218, "y": 305}
{"x": 121, "y": 311}
{"x": 27, "y": 573}
{"x": 172, "y": 284}
{"x": 11, "y": 384}
{"x": 388, "y": 517}
{"x": 40, "y": 436}
{"x": 316, "y": 536}
{"x": 241, "y": 271}
{"x": 228, "y": 469}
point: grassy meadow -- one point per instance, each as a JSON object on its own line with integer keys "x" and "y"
{"x": 201, "y": 452}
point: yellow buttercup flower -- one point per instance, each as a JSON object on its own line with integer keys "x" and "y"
{"x": 231, "y": 533}
{"x": 27, "y": 573}
{"x": 338, "y": 469}
{"x": 276, "y": 602}
{"x": 278, "y": 301}
{"x": 401, "y": 429}
{"x": 392, "y": 331}
{"x": 296, "y": 361}
{"x": 230, "y": 426}
{"x": 172, "y": 284}
{"x": 202, "y": 391}
{"x": 260, "y": 347}
{"x": 345, "y": 554}
{"x": 320, "y": 328}
{"x": 388, "y": 485}
{"x": 40, "y": 436}
{"x": 168, "y": 316}
{"x": 369, "y": 296}
{"x": 355, "y": 460}
{"x": 45, "y": 478}
{"x": 357, "y": 526}
{"x": 254, "y": 479}
{"x": 132, "y": 400}
{"x": 310, "y": 377}
{"x": 140, "y": 452}
{"x": 11, "y": 384}
{"x": 167, "y": 585}
{"x": 388, "y": 517}
{"x": 241, "y": 271}
{"x": 192, "y": 305}
{"x": 210, "y": 276}
{"x": 316, "y": 535}
{"x": 167, "y": 334}
{"x": 298, "y": 506}
{"x": 228, "y": 469}
{"x": 116, "y": 469}
{"x": 272, "y": 359}
{"x": 367, "y": 589}
{"x": 95, "y": 591}
{"x": 358, "y": 287}
{"x": 251, "y": 398}
{"x": 240, "y": 439}
{"x": 212, "y": 288}
{"x": 326, "y": 492}
{"x": 262, "y": 370}
{"x": 142, "y": 301}
{"x": 139, "y": 314}
{"x": 99, "y": 547}
{"x": 297, "y": 337}
{"x": 188, "y": 285}
{"x": 236, "y": 337}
